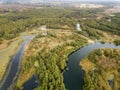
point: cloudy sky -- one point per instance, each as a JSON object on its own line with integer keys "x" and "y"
{"x": 34, "y": 1}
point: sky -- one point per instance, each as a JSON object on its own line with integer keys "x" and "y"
{"x": 35, "y": 1}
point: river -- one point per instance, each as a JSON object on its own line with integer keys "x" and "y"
{"x": 73, "y": 77}
{"x": 13, "y": 69}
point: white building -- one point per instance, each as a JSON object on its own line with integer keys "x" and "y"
{"x": 44, "y": 30}
{"x": 78, "y": 27}
{"x": 109, "y": 20}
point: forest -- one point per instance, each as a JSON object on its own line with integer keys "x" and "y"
{"x": 103, "y": 73}
{"x": 56, "y": 18}
{"x": 50, "y": 62}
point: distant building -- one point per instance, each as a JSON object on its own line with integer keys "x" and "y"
{"x": 109, "y": 20}
{"x": 44, "y": 30}
{"x": 78, "y": 27}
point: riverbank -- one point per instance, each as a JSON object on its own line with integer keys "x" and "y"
{"x": 102, "y": 69}
{"x": 13, "y": 68}
{"x": 57, "y": 43}
{"x": 6, "y": 53}
{"x": 51, "y": 41}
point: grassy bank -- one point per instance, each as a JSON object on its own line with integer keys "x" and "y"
{"x": 102, "y": 69}
{"x": 6, "y": 53}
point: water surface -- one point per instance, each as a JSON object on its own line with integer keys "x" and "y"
{"x": 11, "y": 74}
{"x": 73, "y": 77}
